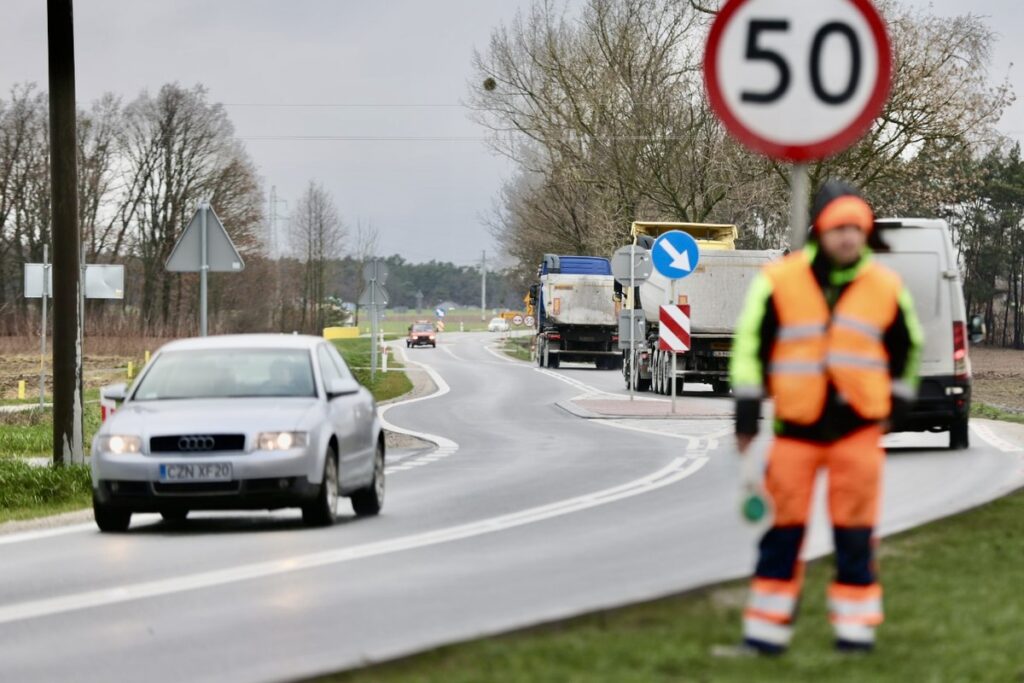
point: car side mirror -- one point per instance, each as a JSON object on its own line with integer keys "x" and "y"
{"x": 337, "y": 386}
{"x": 114, "y": 392}
{"x": 977, "y": 329}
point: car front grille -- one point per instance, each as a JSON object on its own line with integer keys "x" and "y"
{"x": 196, "y": 487}
{"x": 197, "y": 444}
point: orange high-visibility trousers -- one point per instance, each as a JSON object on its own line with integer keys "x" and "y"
{"x": 854, "y": 464}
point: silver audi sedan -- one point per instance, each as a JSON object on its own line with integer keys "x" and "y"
{"x": 239, "y": 422}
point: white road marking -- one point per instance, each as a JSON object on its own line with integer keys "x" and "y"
{"x": 676, "y": 471}
{"x": 45, "y": 533}
{"x": 445, "y": 447}
{"x": 1000, "y": 444}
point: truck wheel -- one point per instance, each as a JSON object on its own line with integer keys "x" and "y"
{"x": 541, "y": 349}
{"x": 720, "y": 388}
{"x": 959, "y": 436}
{"x": 553, "y": 361}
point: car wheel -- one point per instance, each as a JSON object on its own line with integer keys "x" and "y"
{"x": 959, "y": 434}
{"x": 720, "y": 388}
{"x": 110, "y": 519}
{"x": 323, "y": 510}
{"x": 174, "y": 515}
{"x": 369, "y": 501}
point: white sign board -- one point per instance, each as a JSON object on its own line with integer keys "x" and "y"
{"x": 798, "y": 80}
{"x": 102, "y": 281}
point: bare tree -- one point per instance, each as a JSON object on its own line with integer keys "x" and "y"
{"x": 318, "y": 239}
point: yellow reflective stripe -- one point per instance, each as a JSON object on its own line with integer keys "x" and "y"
{"x": 865, "y": 328}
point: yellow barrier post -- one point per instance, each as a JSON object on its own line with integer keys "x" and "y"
{"x": 21, "y": 390}
{"x": 147, "y": 357}
{"x": 131, "y": 369}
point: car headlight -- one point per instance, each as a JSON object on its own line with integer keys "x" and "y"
{"x": 280, "y": 441}
{"x": 119, "y": 444}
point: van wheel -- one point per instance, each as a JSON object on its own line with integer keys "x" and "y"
{"x": 959, "y": 437}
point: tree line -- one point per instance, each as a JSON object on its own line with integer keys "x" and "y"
{"x": 603, "y": 110}
{"x": 144, "y": 166}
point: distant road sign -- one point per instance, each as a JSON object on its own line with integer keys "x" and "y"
{"x": 675, "y": 254}
{"x": 529, "y": 321}
{"x": 517, "y": 320}
{"x": 641, "y": 264}
{"x": 439, "y": 312}
{"x": 374, "y": 295}
{"x": 376, "y": 270}
{"x": 674, "y": 328}
{"x": 798, "y": 81}
{"x": 221, "y": 255}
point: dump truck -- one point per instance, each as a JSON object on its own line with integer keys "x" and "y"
{"x": 575, "y": 312}
{"x": 715, "y": 292}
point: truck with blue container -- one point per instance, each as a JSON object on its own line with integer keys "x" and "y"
{"x": 575, "y": 312}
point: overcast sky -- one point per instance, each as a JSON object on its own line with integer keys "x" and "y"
{"x": 428, "y": 198}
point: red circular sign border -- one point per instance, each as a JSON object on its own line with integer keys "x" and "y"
{"x": 818, "y": 150}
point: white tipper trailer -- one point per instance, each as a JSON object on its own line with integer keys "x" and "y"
{"x": 576, "y": 312}
{"x": 715, "y": 292}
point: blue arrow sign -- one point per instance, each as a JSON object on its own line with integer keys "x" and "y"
{"x": 439, "y": 312}
{"x": 675, "y": 254}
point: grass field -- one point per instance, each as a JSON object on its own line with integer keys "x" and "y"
{"x": 953, "y": 598}
{"x": 518, "y": 347}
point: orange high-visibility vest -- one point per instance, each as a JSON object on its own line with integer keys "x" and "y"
{"x": 814, "y": 345}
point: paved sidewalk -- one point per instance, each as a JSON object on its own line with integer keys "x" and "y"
{"x": 661, "y": 409}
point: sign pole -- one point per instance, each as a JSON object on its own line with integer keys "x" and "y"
{"x": 634, "y": 373}
{"x": 42, "y": 333}
{"x": 204, "y": 268}
{"x": 673, "y": 303}
{"x": 798, "y": 206}
{"x": 373, "y": 323}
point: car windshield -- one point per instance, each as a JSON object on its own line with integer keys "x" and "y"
{"x": 424, "y": 327}
{"x": 228, "y": 373}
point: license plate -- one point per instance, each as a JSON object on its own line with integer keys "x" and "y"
{"x": 721, "y": 354}
{"x": 197, "y": 471}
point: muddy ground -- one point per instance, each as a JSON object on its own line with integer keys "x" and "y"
{"x": 999, "y": 377}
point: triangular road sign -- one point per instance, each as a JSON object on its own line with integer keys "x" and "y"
{"x": 378, "y": 294}
{"x": 221, "y": 255}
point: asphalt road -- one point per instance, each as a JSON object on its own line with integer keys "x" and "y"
{"x": 525, "y": 513}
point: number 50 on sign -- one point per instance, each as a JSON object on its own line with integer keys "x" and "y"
{"x": 798, "y": 80}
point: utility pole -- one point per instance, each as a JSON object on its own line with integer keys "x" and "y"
{"x": 483, "y": 286}
{"x": 67, "y": 340}
{"x": 275, "y": 251}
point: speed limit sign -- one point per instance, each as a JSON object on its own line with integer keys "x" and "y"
{"x": 798, "y": 80}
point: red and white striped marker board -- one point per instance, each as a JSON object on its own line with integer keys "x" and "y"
{"x": 674, "y": 328}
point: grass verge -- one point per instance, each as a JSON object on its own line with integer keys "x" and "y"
{"x": 953, "y": 614}
{"x": 388, "y": 385}
{"x": 518, "y": 347}
{"x": 991, "y": 412}
{"x": 29, "y": 433}
{"x": 27, "y": 491}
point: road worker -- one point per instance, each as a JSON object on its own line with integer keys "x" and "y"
{"x": 831, "y": 336}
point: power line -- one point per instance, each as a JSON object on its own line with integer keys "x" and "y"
{"x": 369, "y": 138}
{"x": 351, "y": 105}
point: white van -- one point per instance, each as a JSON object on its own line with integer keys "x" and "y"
{"x": 922, "y": 253}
